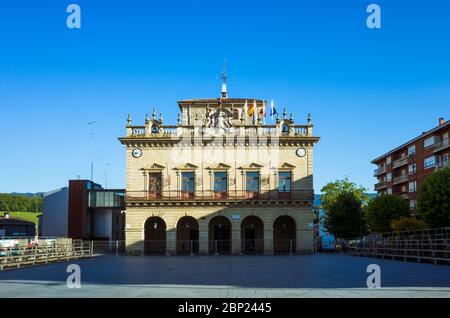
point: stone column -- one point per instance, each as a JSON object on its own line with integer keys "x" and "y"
{"x": 171, "y": 242}
{"x": 203, "y": 237}
{"x": 304, "y": 241}
{"x": 268, "y": 239}
{"x": 133, "y": 241}
{"x": 236, "y": 237}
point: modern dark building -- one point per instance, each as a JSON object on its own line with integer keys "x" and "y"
{"x": 401, "y": 171}
{"x": 84, "y": 210}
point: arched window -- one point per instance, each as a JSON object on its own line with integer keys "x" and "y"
{"x": 285, "y": 129}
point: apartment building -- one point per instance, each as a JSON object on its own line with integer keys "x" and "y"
{"x": 401, "y": 171}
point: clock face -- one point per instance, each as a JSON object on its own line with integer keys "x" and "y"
{"x": 301, "y": 152}
{"x": 137, "y": 153}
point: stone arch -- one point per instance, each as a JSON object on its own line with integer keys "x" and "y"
{"x": 187, "y": 235}
{"x": 219, "y": 235}
{"x": 155, "y": 236}
{"x": 284, "y": 235}
{"x": 252, "y": 235}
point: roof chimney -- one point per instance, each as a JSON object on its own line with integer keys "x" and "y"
{"x": 441, "y": 121}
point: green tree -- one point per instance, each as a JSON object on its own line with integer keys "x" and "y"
{"x": 382, "y": 210}
{"x": 408, "y": 224}
{"x": 433, "y": 200}
{"x": 345, "y": 217}
{"x": 20, "y": 203}
{"x": 332, "y": 190}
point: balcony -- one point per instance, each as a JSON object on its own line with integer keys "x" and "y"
{"x": 380, "y": 185}
{"x": 401, "y": 179}
{"x": 213, "y": 196}
{"x": 379, "y": 171}
{"x": 176, "y": 132}
{"x": 400, "y": 162}
{"x": 441, "y": 145}
{"x": 442, "y": 164}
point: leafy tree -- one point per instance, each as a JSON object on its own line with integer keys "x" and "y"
{"x": 433, "y": 200}
{"x": 408, "y": 224}
{"x": 332, "y": 190}
{"x": 345, "y": 217}
{"x": 382, "y": 210}
{"x": 20, "y": 203}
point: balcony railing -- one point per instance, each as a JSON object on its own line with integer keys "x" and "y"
{"x": 379, "y": 171}
{"x": 208, "y": 195}
{"x": 400, "y": 179}
{"x": 443, "y": 164}
{"x": 400, "y": 162}
{"x": 441, "y": 145}
{"x": 380, "y": 185}
{"x": 190, "y": 131}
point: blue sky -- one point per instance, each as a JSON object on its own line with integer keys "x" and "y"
{"x": 368, "y": 90}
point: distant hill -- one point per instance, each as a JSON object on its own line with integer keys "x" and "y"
{"x": 317, "y": 198}
{"x": 27, "y": 194}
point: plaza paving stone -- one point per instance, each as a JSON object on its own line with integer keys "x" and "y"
{"x": 321, "y": 275}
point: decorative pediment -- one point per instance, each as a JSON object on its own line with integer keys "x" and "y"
{"x": 219, "y": 166}
{"x": 154, "y": 166}
{"x": 187, "y": 166}
{"x": 252, "y": 166}
{"x": 287, "y": 166}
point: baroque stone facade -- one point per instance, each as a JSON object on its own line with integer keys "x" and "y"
{"x": 220, "y": 181}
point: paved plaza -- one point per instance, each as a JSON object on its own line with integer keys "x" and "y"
{"x": 330, "y": 275}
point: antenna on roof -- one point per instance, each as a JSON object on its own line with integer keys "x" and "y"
{"x": 91, "y": 124}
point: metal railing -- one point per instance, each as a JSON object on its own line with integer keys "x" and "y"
{"x": 443, "y": 164}
{"x": 431, "y": 245}
{"x": 400, "y": 179}
{"x": 440, "y": 145}
{"x": 209, "y": 195}
{"x": 379, "y": 171}
{"x": 400, "y": 162}
{"x": 16, "y": 255}
{"x": 380, "y": 185}
{"x": 195, "y": 247}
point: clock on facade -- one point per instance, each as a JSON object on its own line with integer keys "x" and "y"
{"x": 137, "y": 153}
{"x": 301, "y": 152}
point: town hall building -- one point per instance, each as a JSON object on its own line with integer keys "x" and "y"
{"x": 221, "y": 181}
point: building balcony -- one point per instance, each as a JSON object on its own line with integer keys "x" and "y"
{"x": 400, "y": 179}
{"x": 214, "y": 196}
{"x": 379, "y": 171}
{"x": 441, "y": 145}
{"x": 442, "y": 164}
{"x": 400, "y": 162}
{"x": 380, "y": 185}
{"x": 404, "y": 196}
{"x": 176, "y": 132}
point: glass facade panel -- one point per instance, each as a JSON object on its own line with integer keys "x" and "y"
{"x": 106, "y": 199}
